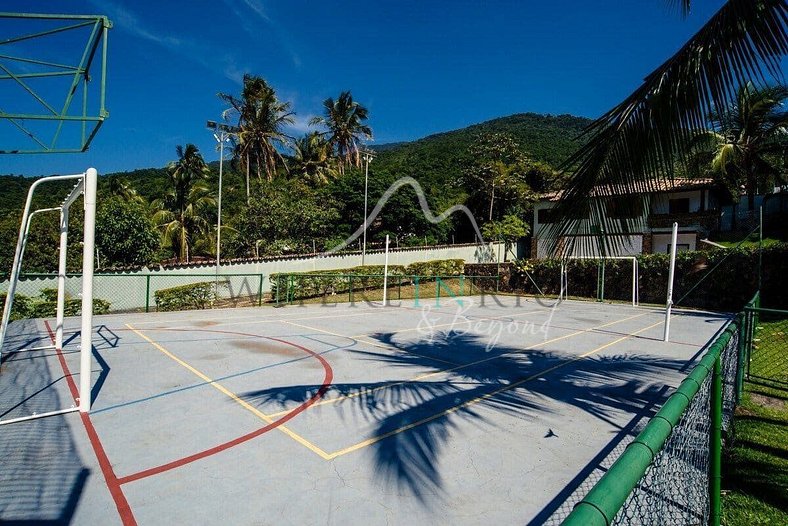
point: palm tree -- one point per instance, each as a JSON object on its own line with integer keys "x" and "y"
{"x": 750, "y": 139}
{"x": 636, "y": 145}
{"x": 344, "y": 119}
{"x": 121, "y": 188}
{"x": 312, "y": 159}
{"x": 261, "y": 118}
{"x": 180, "y": 213}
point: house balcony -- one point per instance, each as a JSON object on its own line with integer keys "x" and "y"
{"x": 708, "y": 220}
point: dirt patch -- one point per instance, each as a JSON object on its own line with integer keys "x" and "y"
{"x": 266, "y": 347}
{"x": 204, "y": 323}
{"x": 767, "y": 401}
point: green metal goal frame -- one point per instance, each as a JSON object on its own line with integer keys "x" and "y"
{"x": 95, "y": 49}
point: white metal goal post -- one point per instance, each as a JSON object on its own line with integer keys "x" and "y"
{"x": 85, "y": 185}
{"x": 564, "y": 286}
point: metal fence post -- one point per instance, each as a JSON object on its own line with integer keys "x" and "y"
{"x": 260, "y": 292}
{"x": 715, "y": 444}
{"x": 147, "y": 293}
{"x": 438, "y": 284}
{"x": 742, "y": 324}
{"x": 416, "y": 290}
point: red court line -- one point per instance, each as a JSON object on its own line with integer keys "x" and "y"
{"x": 124, "y": 510}
{"x": 328, "y": 378}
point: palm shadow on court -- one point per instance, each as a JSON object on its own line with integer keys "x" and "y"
{"x": 415, "y": 420}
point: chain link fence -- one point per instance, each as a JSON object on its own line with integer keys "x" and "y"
{"x": 287, "y": 289}
{"x": 768, "y": 357}
{"x": 36, "y": 294}
{"x": 670, "y": 473}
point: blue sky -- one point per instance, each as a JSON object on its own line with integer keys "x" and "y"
{"x": 420, "y": 67}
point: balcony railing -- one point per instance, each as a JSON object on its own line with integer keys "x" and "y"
{"x": 708, "y": 219}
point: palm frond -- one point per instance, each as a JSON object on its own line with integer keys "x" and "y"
{"x": 633, "y": 147}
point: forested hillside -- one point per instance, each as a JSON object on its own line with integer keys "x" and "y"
{"x": 447, "y": 166}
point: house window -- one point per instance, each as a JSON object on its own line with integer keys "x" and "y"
{"x": 624, "y": 208}
{"x": 545, "y": 215}
{"x": 679, "y": 206}
{"x": 680, "y": 247}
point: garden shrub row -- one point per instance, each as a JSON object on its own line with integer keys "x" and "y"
{"x": 302, "y": 285}
{"x": 186, "y": 297}
{"x": 45, "y": 305}
{"x": 730, "y": 286}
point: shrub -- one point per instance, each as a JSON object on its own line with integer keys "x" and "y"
{"x": 71, "y": 307}
{"x": 22, "y": 306}
{"x": 186, "y": 297}
{"x": 302, "y": 285}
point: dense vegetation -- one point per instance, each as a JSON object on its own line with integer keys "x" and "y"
{"x": 309, "y": 201}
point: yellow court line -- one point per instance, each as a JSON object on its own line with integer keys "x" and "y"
{"x": 235, "y": 398}
{"x": 478, "y": 399}
{"x": 435, "y": 373}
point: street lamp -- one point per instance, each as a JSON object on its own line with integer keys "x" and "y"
{"x": 368, "y": 155}
{"x": 221, "y": 133}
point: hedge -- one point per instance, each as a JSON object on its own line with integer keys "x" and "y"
{"x": 304, "y": 285}
{"x": 186, "y": 297}
{"x": 730, "y": 286}
{"x": 45, "y": 306}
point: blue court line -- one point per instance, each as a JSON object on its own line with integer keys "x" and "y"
{"x": 243, "y": 373}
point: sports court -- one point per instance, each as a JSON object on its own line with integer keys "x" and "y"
{"x": 479, "y": 409}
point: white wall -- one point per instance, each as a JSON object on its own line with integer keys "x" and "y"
{"x": 632, "y": 246}
{"x": 661, "y": 242}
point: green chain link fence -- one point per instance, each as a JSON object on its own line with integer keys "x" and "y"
{"x": 287, "y": 289}
{"x": 140, "y": 292}
{"x": 671, "y": 472}
{"x": 767, "y": 333}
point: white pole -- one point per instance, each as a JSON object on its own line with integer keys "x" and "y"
{"x": 221, "y": 137}
{"x": 367, "y": 158}
{"x": 561, "y": 286}
{"x": 669, "y": 303}
{"x": 86, "y": 335}
{"x": 386, "y": 272}
{"x": 61, "y": 278}
{"x": 634, "y": 281}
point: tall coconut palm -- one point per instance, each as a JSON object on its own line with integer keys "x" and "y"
{"x": 344, "y": 119}
{"x": 261, "y": 118}
{"x": 181, "y": 213}
{"x": 750, "y": 139}
{"x": 635, "y": 146}
{"x": 312, "y": 159}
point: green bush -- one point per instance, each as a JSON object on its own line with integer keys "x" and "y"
{"x": 728, "y": 288}
{"x": 437, "y": 267}
{"x": 186, "y": 297}
{"x": 22, "y": 306}
{"x": 302, "y": 285}
{"x": 71, "y": 307}
{"x": 45, "y": 306}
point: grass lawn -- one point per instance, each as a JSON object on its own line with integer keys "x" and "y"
{"x": 750, "y": 242}
{"x": 755, "y": 466}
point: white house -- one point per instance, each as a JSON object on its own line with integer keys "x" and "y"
{"x": 693, "y": 204}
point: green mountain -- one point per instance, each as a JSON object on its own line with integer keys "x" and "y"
{"x": 441, "y": 157}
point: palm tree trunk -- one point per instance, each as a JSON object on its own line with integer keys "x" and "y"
{"x": 492, "y": 199}
{"x": 247, "y": 178}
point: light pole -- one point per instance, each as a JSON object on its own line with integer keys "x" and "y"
{"x": 368, "y": 156}
{"x": 221, "y": 133}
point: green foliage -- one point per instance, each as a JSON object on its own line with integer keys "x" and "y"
{"x": 45, "y": 306}
{"x": 186, "y": 297}
{"x": 436, "y": 267}
{"x": 23, "y": 305}
{"x": 289, "y": 287}
{"x": 286, "y": 216}
{"x": 728, "y": 288}
{"x": 509, "y": 230}
{"x": 124, "y": 233}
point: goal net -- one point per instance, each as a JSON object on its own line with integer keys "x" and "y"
{"x": 86, "y": 186}
{"x": 612, "y": 278}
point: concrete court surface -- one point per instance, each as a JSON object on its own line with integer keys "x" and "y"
{"x": 336, "y": 414}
